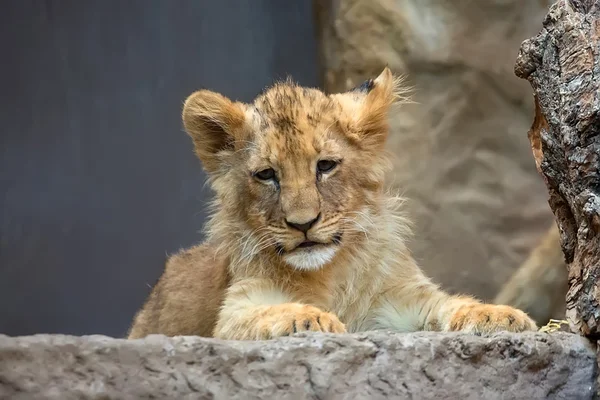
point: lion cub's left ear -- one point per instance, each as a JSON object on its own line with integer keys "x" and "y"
{"x": 214, "y": 123}
{"x": 368, "y": 105}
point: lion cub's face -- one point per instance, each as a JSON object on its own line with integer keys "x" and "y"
{"x": 301, "y": 169}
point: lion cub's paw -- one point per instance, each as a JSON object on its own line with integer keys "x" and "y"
{"x": 487, "y": 318}
{"x": 287, "y": 319}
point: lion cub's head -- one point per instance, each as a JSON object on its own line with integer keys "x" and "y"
{"x": 297, "y": 172}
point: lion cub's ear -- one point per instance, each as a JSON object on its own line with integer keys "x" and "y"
{"x": 213, "y": 122}
{"x": 368, "y": 106}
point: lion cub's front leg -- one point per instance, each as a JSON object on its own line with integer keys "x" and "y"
{"x": 248, "y": 313}
{"x": 425, "y": 307}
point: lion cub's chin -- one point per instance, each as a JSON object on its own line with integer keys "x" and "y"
{"x": 312, "y": 258}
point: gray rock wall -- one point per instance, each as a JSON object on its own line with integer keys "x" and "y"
{"x": 318, "y": 366}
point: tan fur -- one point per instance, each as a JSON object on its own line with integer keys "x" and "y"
{"x": 539, "y": 286}
{"x": 361, "y": 277}
{"x": 187, "y": 297}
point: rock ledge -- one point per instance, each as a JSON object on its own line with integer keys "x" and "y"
{"x": 373, "y": 365}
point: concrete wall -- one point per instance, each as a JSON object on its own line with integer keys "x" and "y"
{"x": 97, "y": 179}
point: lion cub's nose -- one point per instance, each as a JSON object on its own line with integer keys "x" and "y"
{"x": 303, "y": 226}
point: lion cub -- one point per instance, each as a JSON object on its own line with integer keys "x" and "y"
{"x": 303, "y": 236}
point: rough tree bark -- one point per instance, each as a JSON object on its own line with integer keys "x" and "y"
{"x": 562, "y": 64}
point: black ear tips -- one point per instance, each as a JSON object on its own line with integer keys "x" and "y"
{"x": 365, "y": 87}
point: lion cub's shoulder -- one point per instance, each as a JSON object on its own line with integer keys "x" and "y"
{"x": 200, "y": 259}
{"x": 187, "y": 297}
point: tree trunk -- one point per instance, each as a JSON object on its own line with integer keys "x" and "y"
{"x": 562, "y": 64}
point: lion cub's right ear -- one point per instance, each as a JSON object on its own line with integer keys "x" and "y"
{"x": 213, "y": 122}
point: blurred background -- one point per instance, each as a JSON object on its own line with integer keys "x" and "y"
{"x": 98, "y": 181}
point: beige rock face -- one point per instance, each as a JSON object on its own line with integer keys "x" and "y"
{"x": 461, "y": 151}
{"x": 318, "y": 366}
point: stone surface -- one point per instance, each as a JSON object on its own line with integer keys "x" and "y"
{"x": 461, "y": 151}
{"x": 374, "y": 365}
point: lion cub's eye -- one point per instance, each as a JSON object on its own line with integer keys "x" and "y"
{"x": 325, "y": 166}
{"x": 265, "y": 174}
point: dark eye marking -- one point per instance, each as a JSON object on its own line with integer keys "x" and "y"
{"x": 325, "y": 166}
{"x": 265, "y": 174}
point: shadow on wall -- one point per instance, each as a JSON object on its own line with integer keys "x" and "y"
{"x": 98, "y": 182}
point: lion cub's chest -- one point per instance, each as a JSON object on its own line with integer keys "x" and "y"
{"x": 351, "y": 302}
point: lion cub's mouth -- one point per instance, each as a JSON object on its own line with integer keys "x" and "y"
{"x": 308, "y": 243}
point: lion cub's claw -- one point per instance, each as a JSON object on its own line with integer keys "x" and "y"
{"x": 488, "y": 318}
{"x": 288, "y": 319}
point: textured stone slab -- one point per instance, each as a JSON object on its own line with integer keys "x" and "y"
{"x": 374, "y": 365}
